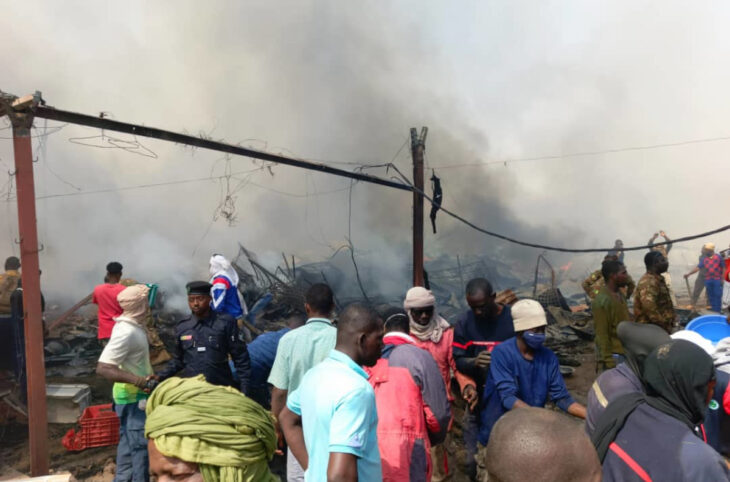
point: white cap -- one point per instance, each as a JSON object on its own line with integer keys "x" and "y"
{"x": 528, "y": 314}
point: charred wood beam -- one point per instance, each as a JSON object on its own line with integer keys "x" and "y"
{"x": 70, "y": 312}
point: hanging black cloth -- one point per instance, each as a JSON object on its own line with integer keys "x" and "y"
{"x": 438, "y": 196}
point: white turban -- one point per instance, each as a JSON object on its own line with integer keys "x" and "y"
{"x": 418, "y": 297}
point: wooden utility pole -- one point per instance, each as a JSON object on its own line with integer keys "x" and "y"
{"x": 21, "y": 117}
{"x": 418, "y": 145}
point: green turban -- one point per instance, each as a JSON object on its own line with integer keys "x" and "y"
{"x": 228, "y": 435}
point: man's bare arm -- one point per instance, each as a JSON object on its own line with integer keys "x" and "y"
{"x": 577, "y": 410}
{"x": 278, "y": 402}
{"x": 519, "y": 404}
{"x": 116, "y": 374}
{"x": 291, "y": 425}
{"x": 342, "y": 467}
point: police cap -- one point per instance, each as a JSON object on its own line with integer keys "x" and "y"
{"x": 199, "y": 288}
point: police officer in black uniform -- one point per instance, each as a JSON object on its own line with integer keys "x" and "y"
{"x": 204, "y": 340}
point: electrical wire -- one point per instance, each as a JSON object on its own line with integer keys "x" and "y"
{"x": 140, "y": 186}
{"x": 555, "y": 248}
{"x": 42, "y": 150}
{"x": 38, "y": 136}
{"x": 297, "y": 195}
{"x": 136, "y": 145}
{"x": 587, "y": 153}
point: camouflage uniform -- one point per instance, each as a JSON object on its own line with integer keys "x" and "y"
{"x": 593, "y": 284}
{"x": 662, "y": 249}
{"x": 8, "y": 284}
{"x": 665, "y": 249}
{"x": 653, "y": 303}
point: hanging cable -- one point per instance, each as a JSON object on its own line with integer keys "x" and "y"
{"x": 554, "y": 248}
{"x": 587, "y": 153}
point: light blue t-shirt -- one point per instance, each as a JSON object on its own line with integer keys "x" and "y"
{"x": 337, "y": 406}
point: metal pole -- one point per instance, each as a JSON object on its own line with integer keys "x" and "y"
{"x": 417, "y": 148}
{"x": 144, "y": 131}
{"x": 32, "y": 316}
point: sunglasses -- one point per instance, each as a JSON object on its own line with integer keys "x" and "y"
{"x": 422, "y": 311}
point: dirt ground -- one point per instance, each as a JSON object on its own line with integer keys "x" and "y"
{"x": 97, "y": 464}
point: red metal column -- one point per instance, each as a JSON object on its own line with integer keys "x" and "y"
{"x": 36, "y": 372}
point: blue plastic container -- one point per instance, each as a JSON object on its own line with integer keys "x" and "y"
{"x": 712, "y": 327}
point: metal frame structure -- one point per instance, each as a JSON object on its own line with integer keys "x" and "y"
{"x": 21, "y": 118}
{"x": 21, "y": 112}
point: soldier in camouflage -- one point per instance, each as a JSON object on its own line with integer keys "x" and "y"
{"x": 593, "y": 284}
{"x": 653, "y": 303}
{"x": 664, "y": 249}
{"x": 8, "y": 283}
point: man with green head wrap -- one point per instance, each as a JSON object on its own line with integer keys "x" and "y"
{"x": 198, "y": 431}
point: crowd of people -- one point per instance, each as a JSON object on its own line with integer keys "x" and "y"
{"x": 360, "y": 394}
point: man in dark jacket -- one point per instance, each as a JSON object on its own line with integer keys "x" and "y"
{"x": 204, "y": 340}
{"x": 485, "y": 324}
{"x": 262, "y": 352}
{"x": 18, "y": 321}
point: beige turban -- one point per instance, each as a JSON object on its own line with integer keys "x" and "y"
{"x": 134, "y": 302}
{"x": 418, "y": 297}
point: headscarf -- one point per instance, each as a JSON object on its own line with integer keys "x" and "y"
{"x": 220, "y": 266}
{"x": 638, "y": 340}
{"x": 676, "y": 374}
{"x": 418, "y": 297}
{"x": 134, "y": 303}
{"x": 228, "y": 435}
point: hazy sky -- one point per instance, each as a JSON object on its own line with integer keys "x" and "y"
{"x": 344, "y": 82}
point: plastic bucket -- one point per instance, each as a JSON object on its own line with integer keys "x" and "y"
{"x": 712, "y": 327}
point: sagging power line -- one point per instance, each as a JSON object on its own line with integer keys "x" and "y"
{"x": 554, "y": 248}
{"x": 585, "y": 153}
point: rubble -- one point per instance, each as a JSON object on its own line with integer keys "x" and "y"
{"x": 276, "y": 292}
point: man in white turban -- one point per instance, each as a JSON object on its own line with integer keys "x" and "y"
{"x": 434, "y": 334}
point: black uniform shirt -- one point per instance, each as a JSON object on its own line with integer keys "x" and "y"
{"x": 203, "y": 346}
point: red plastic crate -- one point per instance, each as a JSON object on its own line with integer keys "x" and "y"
{"x": 99, "y": 428}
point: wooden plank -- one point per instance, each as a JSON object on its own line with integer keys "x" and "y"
{"x": 70, "y": 312}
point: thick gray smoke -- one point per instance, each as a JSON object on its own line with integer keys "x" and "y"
{"x": 344, "y": 82}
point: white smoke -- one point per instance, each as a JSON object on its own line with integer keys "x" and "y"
{"x": 344, "y": 82}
